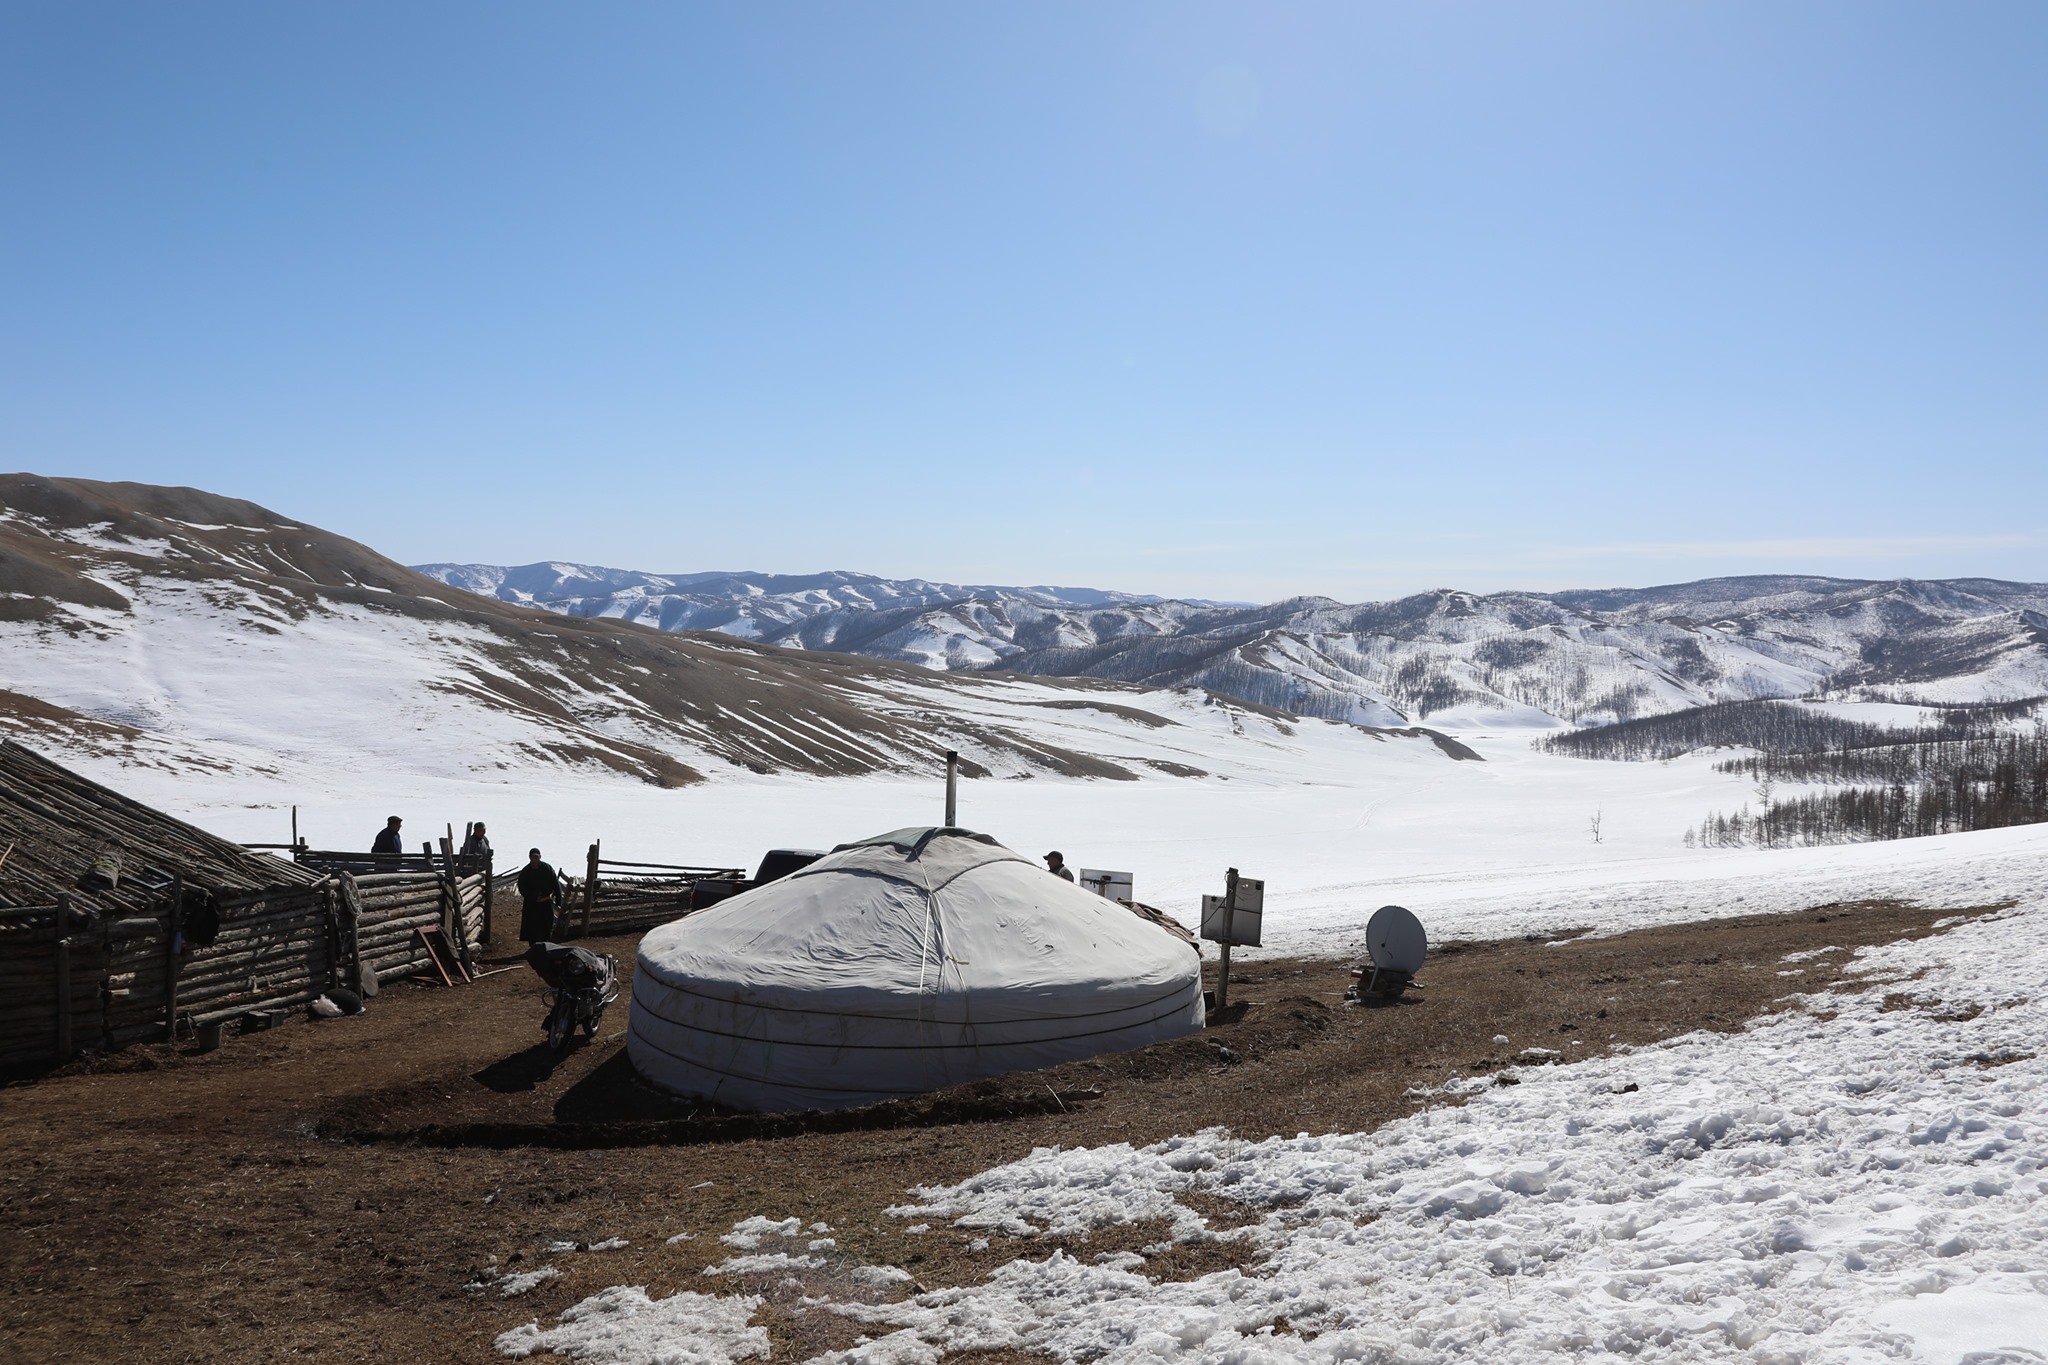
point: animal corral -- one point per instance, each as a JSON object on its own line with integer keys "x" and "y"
{"x": 120, "y": 923}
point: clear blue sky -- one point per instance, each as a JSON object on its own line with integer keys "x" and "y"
{"x": 1225, "y": 300}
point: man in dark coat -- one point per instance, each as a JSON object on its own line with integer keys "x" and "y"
{"x": 389, "y": 843}
{"x": 538, "y": 889}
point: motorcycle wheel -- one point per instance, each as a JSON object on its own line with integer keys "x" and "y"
{"x": 590, "y": 1024}
{"x": 561, "y": 1024}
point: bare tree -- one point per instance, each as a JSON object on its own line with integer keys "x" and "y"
{"x": 1594, "y": 825}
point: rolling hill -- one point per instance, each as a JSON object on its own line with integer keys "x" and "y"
{"x": 1449, "y": 657}
{"x": 177, "y": 627}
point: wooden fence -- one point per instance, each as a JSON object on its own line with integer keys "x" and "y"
{"x": 70, "y": 980}
{"x": 617, "y": 897}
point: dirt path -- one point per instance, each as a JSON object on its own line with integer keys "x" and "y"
{"x": 327, "y": 1190}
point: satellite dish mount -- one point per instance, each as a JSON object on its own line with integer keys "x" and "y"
{"x": 1395, "y": 945}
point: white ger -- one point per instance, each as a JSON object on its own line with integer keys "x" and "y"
{"x": 897, "y": 965}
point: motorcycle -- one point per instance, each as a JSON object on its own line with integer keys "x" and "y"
{"x": 580, "y": 984}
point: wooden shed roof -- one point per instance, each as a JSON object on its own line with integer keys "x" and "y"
{"x": 60, "y": 823}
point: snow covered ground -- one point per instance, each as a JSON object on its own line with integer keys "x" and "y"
{"x": 1335, "y": 821}
{"x": 1852, "y": 1182}
{"x": 1852, "y": 1186}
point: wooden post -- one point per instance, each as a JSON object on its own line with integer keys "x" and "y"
{"x": 295, "y": 826}
{"x": 1229, "y": 931}
{"x": 440, "y": 881}
{"x": 952, "y": 788}
{"x": 61, "y": 954}
{"x": 174, "y": 922}
{"x": 456, "y": 928}
{"x": 352, "y": 914}
{"x": 590, "y": 889}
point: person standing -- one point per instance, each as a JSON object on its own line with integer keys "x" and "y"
{"x": 1056, "y": 864}
{"x": 389, "y": 845}
{"x": 539, "y": 888}
{"x": 476, "y": 849}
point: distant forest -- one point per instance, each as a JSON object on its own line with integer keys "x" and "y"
{"x": 1972, "y": 769}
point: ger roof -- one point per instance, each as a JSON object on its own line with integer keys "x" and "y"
{"x": 59, "y": 823}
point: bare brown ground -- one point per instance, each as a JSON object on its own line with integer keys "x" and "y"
{"x": 326, "y": 1190}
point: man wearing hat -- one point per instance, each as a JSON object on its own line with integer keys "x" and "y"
{"x": 1056, "y": 864}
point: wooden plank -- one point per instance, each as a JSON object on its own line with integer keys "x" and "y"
{"x": 433, "y": 958}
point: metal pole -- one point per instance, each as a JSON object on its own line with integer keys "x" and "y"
{"x": 1229, "y": 932}
{"x": 952, "y": 788}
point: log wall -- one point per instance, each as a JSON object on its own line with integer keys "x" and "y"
{"x": 69, "y": 982}
{"x": 623, "y": 904}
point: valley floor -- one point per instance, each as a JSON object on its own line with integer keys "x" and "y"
{"x": 1797, "y": 1111}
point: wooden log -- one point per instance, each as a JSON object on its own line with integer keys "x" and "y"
{"x": 261, "y": 906}
{"x": 302, "y": 949}
{"x": 352, "y": 905}
{"x": 236, "y": 976}
{"x": 398, "y": 971}
{"x": 392, "y": 930}
{"x": 373, "y": 886}
{"x": 230, "y": 905}
{"x": 403, "y": 914}
{"x": 374, "y": 904}
{"x": 455, "y": 928}
{"x": 241, "y": 936}
{"x": 222, "y": 950}
{"x": 384, "y": 947}
{"x": 232, "y": 978}
{"x": 251, "y": 931}
{"x": 391, "y": 914}
{"x": 393, "y": 947}
{"x": 276, "y": 1002}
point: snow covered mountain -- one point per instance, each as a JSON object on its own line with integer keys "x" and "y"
{"x": 749, "y": 605}
{"x": 175, "y": 627}
{"x": 1446, "y": 656}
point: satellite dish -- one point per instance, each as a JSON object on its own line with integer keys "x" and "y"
{"x": 1396, "y": 941}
